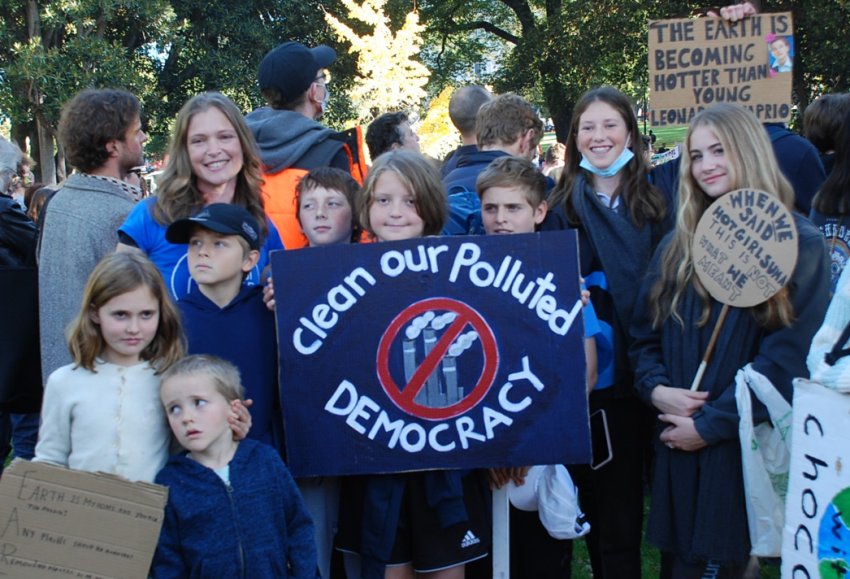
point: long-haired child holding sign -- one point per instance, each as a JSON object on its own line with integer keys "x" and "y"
{"x": 698, "y": 517}
{"x": 102, "y": 412}
{"x": 421, "y": 523}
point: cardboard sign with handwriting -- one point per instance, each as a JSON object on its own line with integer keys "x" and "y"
{"x": 696, "y": 62}
{"x": 745, "y": 247}
{"x": 56, "y": 522}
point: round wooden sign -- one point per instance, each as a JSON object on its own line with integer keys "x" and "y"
{"x": 745, "y": 247}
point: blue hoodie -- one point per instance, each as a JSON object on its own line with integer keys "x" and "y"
{"x": 464, "y": 205}
{"x": 256, "y": 527}
{"x": 242, "y": 332}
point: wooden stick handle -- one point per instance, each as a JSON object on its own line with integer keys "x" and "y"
{"x": 712, "y": 342}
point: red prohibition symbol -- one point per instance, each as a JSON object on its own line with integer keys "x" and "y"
{"x": 404, "y": 397}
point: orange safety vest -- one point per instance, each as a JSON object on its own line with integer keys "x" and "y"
{"x": 279, "y": 189}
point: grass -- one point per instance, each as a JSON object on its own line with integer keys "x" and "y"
{"x": 650, "y": 559}
{"x": 666, "y": 136}
{"x": 669, "y": 136}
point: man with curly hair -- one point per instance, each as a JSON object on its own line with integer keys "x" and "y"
{"x": 101, "y": 133}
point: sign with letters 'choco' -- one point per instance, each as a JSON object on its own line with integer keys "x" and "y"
{"x": 694, "y": 63}
{"x": 432, "y": 353}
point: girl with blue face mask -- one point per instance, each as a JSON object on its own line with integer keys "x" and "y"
{"x": 605, "y": 194}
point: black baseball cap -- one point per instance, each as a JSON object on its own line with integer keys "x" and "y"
{"x": 292, "y": 67}
{"x": 224, "y": 218}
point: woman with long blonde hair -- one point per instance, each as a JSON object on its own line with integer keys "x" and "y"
{"x": 212, "y": 158}
{"x": 698, "y": 516}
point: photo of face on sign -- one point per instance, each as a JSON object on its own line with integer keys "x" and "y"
{"x": 780, "y": 51}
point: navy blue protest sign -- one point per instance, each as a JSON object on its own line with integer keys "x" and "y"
{"x": 443, "y": 352}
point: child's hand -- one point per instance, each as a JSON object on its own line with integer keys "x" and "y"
{"x": 501, "y": 476}
{"x": 268, "y": 294}
{"x": 240, "y": 418}
{"x": 585, "y": 295}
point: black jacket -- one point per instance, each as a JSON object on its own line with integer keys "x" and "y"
{"x": 20, "y": 363}
{"x": 18, "y": 235}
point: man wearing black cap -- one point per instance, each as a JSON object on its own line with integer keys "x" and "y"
{"x": 293, "y": 80}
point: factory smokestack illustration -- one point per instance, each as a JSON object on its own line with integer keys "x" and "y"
{"x": 449, "y": 365}
{"x": 441, "y": 387}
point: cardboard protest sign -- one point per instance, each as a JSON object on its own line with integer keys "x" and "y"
{"x": 744, "y": 251}
{"x": 64, "y": 523}
{"x": 816, "y": 536}
{"x": 431, "y": 353}
{"x": 745, "y": 247}
{"x": 694, "y": 63}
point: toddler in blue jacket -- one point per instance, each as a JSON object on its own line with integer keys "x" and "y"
{"x": 233, "y": 509}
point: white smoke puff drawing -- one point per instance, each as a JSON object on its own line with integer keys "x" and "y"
{"x": 463, "y": 343}
{"x": 418, "y": 324}
{"x": 441, "y": 322}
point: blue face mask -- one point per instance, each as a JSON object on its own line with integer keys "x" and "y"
{"x": 613, "y": 169}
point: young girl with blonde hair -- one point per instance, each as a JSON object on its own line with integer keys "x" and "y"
{"x": 698, "y": 517}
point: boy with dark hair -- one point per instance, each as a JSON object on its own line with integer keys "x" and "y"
{"x": 325, "y": 199}
{"x": 391, "y": 131}
{"x": 233, "y": 509}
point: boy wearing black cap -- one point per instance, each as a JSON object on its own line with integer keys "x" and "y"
{"x": 225, "y": 318}
{"x": 294, "y": 81}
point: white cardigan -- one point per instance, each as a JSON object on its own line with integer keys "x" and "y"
{"x": 110, "y": 420}
{"x": 836, "y": 377}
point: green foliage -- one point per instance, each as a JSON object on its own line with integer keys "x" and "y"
{"x": 389, "y": 74}
{"x": 219, "y": 45}
{"x": 53, "y": 50}
{"x": 821, "y": 58}
{"x": 71, "y": 46}
{"x": 166, "y": 51}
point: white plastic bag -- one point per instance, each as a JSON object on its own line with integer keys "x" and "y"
{"x": 558, "y": 504}
{"x": 550, "y": 490}
{"x": 525, "y": 497}
{"x": 765, "y": 455}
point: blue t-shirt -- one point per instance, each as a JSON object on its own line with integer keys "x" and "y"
{"x": 170, "y": 258}
{"x": 602, "y": 331}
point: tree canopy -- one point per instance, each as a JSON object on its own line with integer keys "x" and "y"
{"x": 165, "y": 51}
{"x": 389, "y": 75}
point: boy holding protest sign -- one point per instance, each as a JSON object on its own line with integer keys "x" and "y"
{"x": 513, "y": 200}
{"x": 512, "y": 193}
{"x": 233, "y": 508}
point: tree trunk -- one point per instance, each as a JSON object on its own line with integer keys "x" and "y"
{"x": 61, "y": 165}
{"x": 45, "y": 148}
